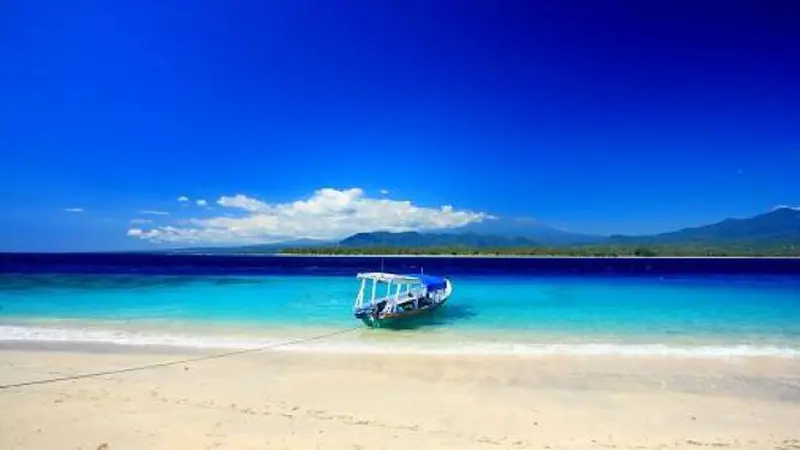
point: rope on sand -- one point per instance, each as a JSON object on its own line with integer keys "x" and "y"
{"x": 176, "y": 362}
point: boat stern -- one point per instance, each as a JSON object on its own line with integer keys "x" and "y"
{"x": 368, "y": 316}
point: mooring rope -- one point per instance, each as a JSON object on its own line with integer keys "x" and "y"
{"x": 179, "y": 361}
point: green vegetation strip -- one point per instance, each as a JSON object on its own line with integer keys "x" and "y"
{"x": 586, "y": 251}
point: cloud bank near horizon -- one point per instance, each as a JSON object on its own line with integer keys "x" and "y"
{"x": 326, "y": 215}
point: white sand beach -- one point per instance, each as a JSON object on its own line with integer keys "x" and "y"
{"x": 286, "y": 400}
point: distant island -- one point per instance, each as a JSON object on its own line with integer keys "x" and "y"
{"x": 776, "y": 233}
{"x": 582, "y": 251}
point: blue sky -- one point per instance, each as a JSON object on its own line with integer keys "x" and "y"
{"x": 605, "y": 117}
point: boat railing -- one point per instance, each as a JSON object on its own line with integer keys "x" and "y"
{"x": 395, "y": 298}
{"x": 396, "y": 290}
{"x": 402, "y": 297}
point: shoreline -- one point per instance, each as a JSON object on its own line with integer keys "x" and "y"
{"x": 600, "y": 351}
{"x": 167, "y": 353}
{"x": 392, "y": 255}
{"x": 481, "y": 256}
{"x": 356, "y": 340}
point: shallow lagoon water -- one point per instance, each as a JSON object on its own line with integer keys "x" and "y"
{"x": 535, "y": 306}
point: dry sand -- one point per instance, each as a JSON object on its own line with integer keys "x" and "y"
{"x": 285, "y": 400}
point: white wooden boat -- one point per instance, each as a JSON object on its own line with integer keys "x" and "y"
{"x": 384, "y": 297}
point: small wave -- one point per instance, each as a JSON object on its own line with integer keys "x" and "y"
{"x": 100, "y": 336}
{"x": 78, "y": 336}
{"x": 589, "y": 349}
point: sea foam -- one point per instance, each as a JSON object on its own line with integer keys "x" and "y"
{"x": 341, "y": 344}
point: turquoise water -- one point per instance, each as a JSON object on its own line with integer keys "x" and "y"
{"x": 683, "y": 315}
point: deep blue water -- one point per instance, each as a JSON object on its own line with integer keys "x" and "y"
{"x": 723, "y": 304}
{"x": 299, "y": 265}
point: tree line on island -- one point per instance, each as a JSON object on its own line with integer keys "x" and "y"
{"x": 576, "y": 251}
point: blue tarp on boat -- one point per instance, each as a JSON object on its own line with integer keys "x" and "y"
{"x": 431, "y": 282}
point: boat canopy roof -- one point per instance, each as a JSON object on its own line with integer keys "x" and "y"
{"x": 389, "y": 278}
{"x": 430, "y": 281}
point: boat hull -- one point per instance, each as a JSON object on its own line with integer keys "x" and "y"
{"x": 401, "y": 318}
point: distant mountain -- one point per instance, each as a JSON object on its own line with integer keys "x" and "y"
{"x": 527, "y": 228}
{"x": 778, "y": 227}
{"x": 413, "y": 239}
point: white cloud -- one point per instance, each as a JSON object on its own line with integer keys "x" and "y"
{"x": 796, "y": 208}
{"x": 141, "y": 221}
{"x": 201, "y": 202}
{"x": 183, "y": 198}
{"x": 74, "y": 210}
{"x": 153, "y": 212}
{"x": 327, "y": 214}
{"x": 384, "y": 192}
{"x": 243, "y": 202}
